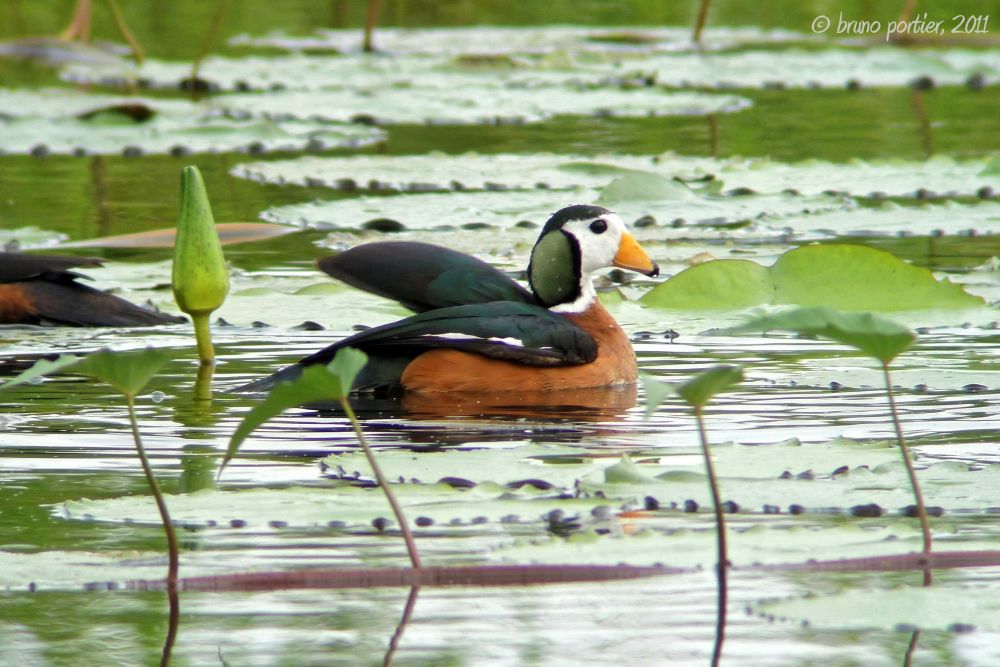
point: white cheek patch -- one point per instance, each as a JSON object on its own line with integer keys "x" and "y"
{"x": 597, "y": 251}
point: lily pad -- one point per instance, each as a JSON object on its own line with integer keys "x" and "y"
{"x": 64, "y": 122}
{"x": 465, "y": 102}
{"x": 948, "y": 485}
{"x": 812, "y": 68}
{"x": 940, "y": 176}
{"x": 974, "y": 603}
{"x": 893, "y": 219}
{"x": 305, "y": 508}
{"x": 675, "y": 203}
{"x": 437, "y": 171}
{"x": 688, "y": 540}
{"x": 498, "y": 40}
{"x": 839, "y": 276}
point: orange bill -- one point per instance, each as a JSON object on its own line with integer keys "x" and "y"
{"x": 631, "y": 256}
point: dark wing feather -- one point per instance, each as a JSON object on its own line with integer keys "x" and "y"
{"x": 15, "y": 266}
{"x": 42, "y": 289}
{"x": 70, "y": 303}
{"x": 422, "y": 276}
{"x": 545, "y": 339}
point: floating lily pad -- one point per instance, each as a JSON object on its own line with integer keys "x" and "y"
{"x": 839, "y": 276}
{"x": 890, "y": 218}
{"x": 467, "y": 102}
{"x": 954, "y": 486}
{"x": 971, "y": 604}
{"x": 498, "y": 40}
{"x": 937, "y": 176}
{"x": 25, "y": 237}
{"x": 675, "y": 204}
{"x": 67, "y": 122}
{"x": 437, "y": 171}
{"x": 811, "y": 68}
{"x": 298, "y": 507}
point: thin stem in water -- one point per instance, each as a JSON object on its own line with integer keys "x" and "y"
{"x": 411, "y": 602}
{"x": 203, "y": 336}
{"x": 699, "y": 24}
{"x": 411, "y": 546}
{"x": 173, "y": 553}
{"x": 925, "y": 526}
{"x": 370, "y": 20}
{"x": 213, "y": 33}
{"x": 720, "y": 533}
{"x": 133, "y": 43}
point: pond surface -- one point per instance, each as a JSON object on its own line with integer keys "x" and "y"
{"x": 766, "y": 167}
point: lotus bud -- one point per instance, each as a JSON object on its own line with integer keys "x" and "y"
{"x": 200, "y": 276}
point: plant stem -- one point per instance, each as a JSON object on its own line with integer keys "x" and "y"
{"x": 699, "y": 24}
{"x": 213, "y": 33}
{"x": 203, "y": 384}
{"x": 203, "y": 336}
{"x": 79, "y": 28}
{"x": 720, "y": 533}
{"x": 173, "y": 553}
{"x": 411, "y": 602}
{"x": 133, "y": 43}
{"x": 372, "y": 17}
{"x": 911, "y": 648}
{"x": 411, "y": 546}
{"x": 925, "y": 527}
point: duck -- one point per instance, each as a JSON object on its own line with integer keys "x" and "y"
{"x": 45, "y": 290}
{"x": 476, "y": 329}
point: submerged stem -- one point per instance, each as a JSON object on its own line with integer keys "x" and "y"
{"x": 133, "y": 43}
{"x": 210, "y": 37}
{"x": 203, "y": 336}
{"x": 925, "y": 527}
{"x": 173, "y": 553}
{"x": 371, "y": 19}
{"x": 411, "y": 546}
{"x": 720, "y": 533}
{"x": 699, "y": 24}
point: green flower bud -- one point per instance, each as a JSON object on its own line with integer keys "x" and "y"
{"x": 200, "y": 276}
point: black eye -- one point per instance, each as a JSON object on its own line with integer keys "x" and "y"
{"x": 599, "y": 226}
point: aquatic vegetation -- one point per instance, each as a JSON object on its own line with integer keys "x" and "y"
{"x": 485, "y": 131}
{"x": 876, "y": 337}
{"x": 200, "y": 276}
{"x": 848, "y": 277}
{"x": 697, "y": 392}
{"x": 316, "y": 384}
{"x": 128, "y": 373}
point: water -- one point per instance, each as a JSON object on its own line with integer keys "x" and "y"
{"x": 68, "y": 441}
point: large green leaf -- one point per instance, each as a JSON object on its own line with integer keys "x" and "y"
{"x": 846, "y": 277}
{"x": 42, "y": 368}
{"x": 725, "y": 284}
{"x": 875, "y": 336}
{"x": 700, "y": 389}
{"x": 316, "y": 384}
{"x": 128, "y": 371}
